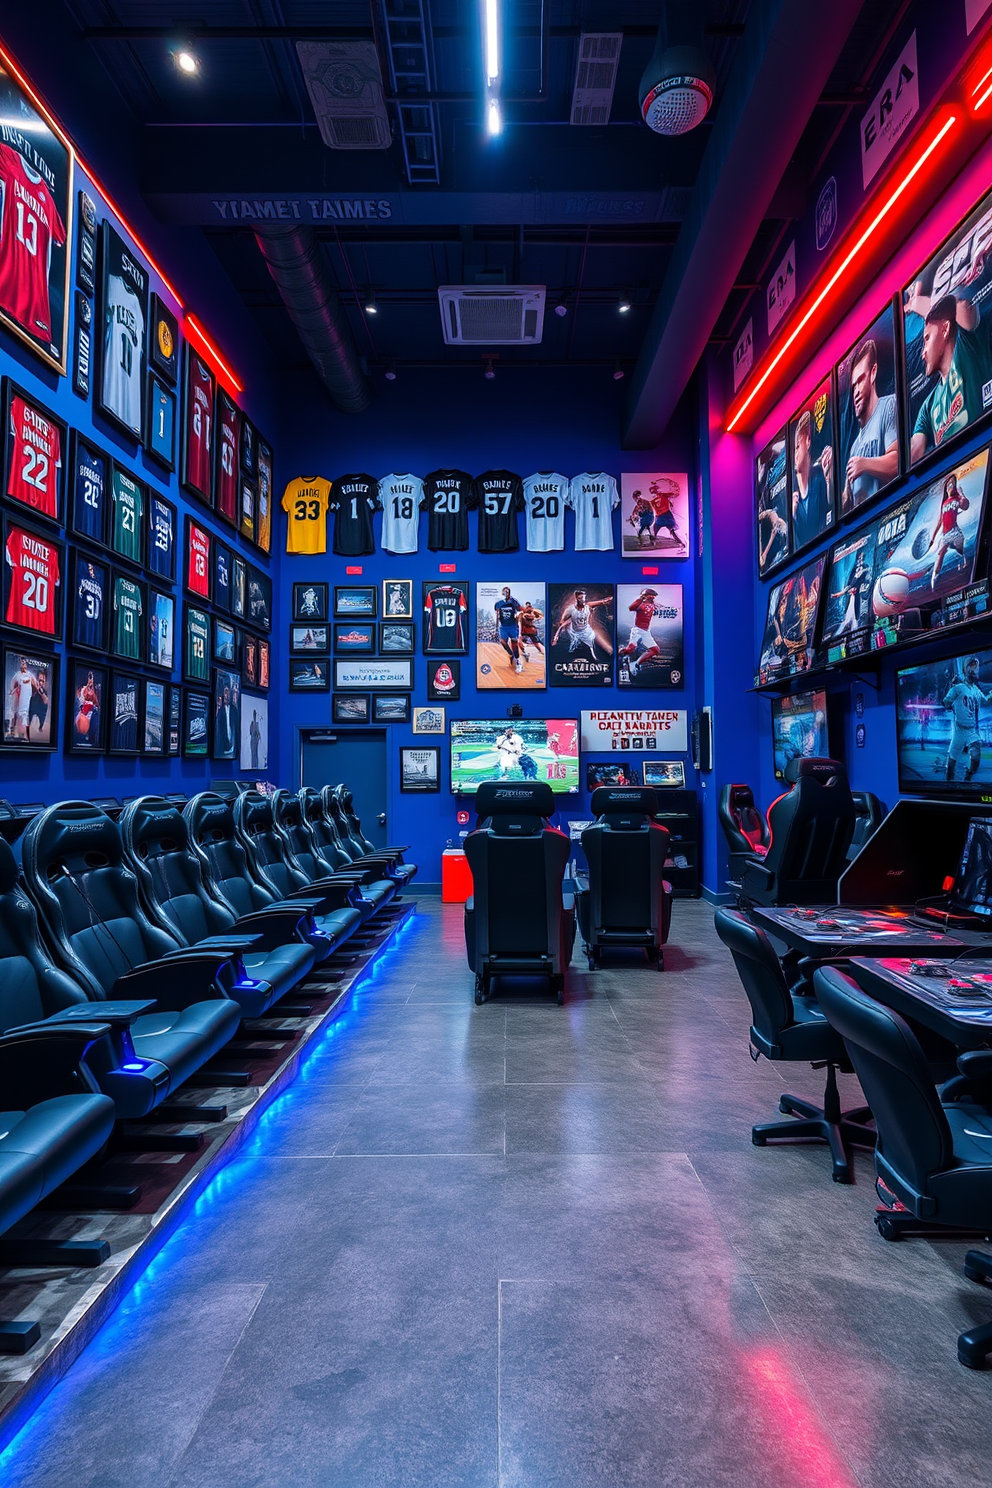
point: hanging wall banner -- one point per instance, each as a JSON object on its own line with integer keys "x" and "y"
{"x": 893, "y": 108}
{"x": 609, "y": 729}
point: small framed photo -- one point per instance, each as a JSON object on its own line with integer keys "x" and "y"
{"x": 89, "y": 490}
{"x": 89, "y": 602}
{"x": 397, "y": 599}
{"x": 31, "y": 696}
{"x": 390, "y": 707}
{"x": 258, "y": 611}
{"x": 175, "y": 715}
{"x": 36, "y": 454}
{"x": 249, "y": 660}
{"x": 124, "y": 714}
{"x": 394, "y": 674}
{"x": 354, "y": 601}
{"x": 264, "y": 664}
{"x": 196, "y": 724}
{"x": 309, "y": 640}
{"x": 420, "y": 768}
{"x": 246, "y": 510}
{"x": 309, "y": 674}
{"x": 239, "y": 587}
{"x": 224, "y": 642}
{"x": 163, "y": 345}
{"x": 309, "y": 601}
{"x": 354, "y": 639}
{"x": 85, "y": 727}
{"x": 161, "y": 630}
{"x": 350, "y": 707}
{"x": 397, "y": 637}
{"x": 222, "y": 577}
{"x": 443, "y": 680}
{"x": 663, "y": 772}
{"x": 153, "y": 713}
{"x": 428, "y": 720}
{"x": 160, "y": 423}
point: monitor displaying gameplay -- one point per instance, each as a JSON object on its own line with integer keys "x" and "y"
{"x": 515, "y": 749}
{"x": 944, "y": 726}
{"x": 799, "y": 729}
{"x": 791, "y": 621}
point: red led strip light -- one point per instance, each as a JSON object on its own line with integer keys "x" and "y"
{"x": 191, "y": 324}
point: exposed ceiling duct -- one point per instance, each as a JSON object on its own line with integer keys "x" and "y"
{"x": 294, "y": 259}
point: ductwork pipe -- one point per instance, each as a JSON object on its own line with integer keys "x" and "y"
{"x": 294, "y": 259}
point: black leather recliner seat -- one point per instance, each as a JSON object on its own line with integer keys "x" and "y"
{"x": 743, "y": 826}
{"x": 273, "y": 866}
{"x": 811, "y": 828}
{"x": 625, "y": 900}
{"x": 339, "y": 803}
{"x": 302, "y": 850}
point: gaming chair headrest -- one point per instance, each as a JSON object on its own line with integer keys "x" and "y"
{"x": 520, "y": 798}
{"x": 75, "y": 834}
{"x": 253, "y": 812}
{"x": 208, "y": 814}
{"x": 310, "y": 803}
{"x": 739, "y": 796}
{"x": 286, "y": 807}
{"x": 8, "y": 867}
{"x": 625, "y": 800}
{"x": 823, "y": 770}
{"x": 152, "y": 822}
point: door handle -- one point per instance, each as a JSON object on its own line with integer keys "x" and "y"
{"x": 381, "y": 818}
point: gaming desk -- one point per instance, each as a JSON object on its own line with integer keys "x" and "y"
{"x": 832, "y": 932}
{"x": 954, "y": 1001}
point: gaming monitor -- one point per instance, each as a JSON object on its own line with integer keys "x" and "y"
{"x": 515, "y": 749}
{"x": 799, "y": 729}
{"x": 944, "y": 727}
{"x": 790, "y": 623}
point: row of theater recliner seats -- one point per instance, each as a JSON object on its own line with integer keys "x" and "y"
{"x": 131, "y": 951}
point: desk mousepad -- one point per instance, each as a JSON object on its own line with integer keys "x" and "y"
{"x": 961, "y": 989}
{"x": 828, "y": 924}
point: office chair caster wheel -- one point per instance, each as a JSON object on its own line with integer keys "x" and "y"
{"x": 842, "y": 1175}
{"x": 758, "y": 1139}
{"x": 887, "y": 1228}
{"x": 480, "y": 990}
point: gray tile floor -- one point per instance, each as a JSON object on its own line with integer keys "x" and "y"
{"x": 523, "y": 1246}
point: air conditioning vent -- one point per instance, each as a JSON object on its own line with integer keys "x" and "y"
{"x": 513, "y": 316}
{"x": 595, "y": 77}
{"x": 345, "y": 87}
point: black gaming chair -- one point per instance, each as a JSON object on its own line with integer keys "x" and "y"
{"x": 338, "y": 800}
{"x": 790, "y": 1027}
{"x": 301, "y": 846}
{"x": 339, "y": 850}
{"x": 743, "y": 826}
{"x": 811, "y": 828}
{"x": 869, "y": 815}
{"x": 275, "y": 869}
{"x": 517, "y": 922}
{"x": 933, "y": 1156}
{"x": 95, "y": 930}
{"x": 625, "y": 900}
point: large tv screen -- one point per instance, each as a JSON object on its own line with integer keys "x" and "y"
{"x": 799, "y": 729}
{"x": 516, "y": 749}
{"x": 791, "y": 622}
{"x": 944, "y": 726}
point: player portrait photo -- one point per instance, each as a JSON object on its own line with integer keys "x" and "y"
{"x": 811, "y": 467}
{"x": 30, "y": 692}
{"x": 847, "y": 605}
{"x": 947, "y": 335}
{"x": 397, "y": 599}
{"x": 86, "y": 724}
{"x": 771, "y": 504}
{"x": 649, "y": 636}
{"x": 226, "y": 732}
{"x": 510, "y": 636}
{"x": 791, "y": 621}
{"x": 254, "y": 733}
{"x": 868, "y": 415}
{"x": 581, "y": 635}
{"x": 121, "y": 346}
{"x": 943, "y": 719}
{"x": 654, "y": 515}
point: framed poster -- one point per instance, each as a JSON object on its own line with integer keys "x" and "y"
{"x": 196, "y": 645}
{"x": 85, "y": 726}
{"x": 90, "y": 602}
{"x": 161, "y": 537}
{"x": 263, "y": 512}
{"x": 196, "y": 570}
{"x": 619, "y": 773}
{"x": 199, "y": 392}
{"x": 446, "y": 618}
{"x": 246, "y": 509}
{"x": 309, "y": 601}
{"x": 391, "y": 707}
{"x": 196, "y": 724}
{"x": 350, "y": 707}
{"x": 868, "y": 442}
{"x": 397, "y": 599}
{"x": 254, "y": 733}
{"x": 420, "y": 768}
{"x": 615, "y": 730}
{"x": 163, "y": 346}
{"x": 226, "y": 726}
{"x": 249, "y": 660}
{"x": 356, "y": 639}
{"x": 259, "y": 610}
{"x": 129, "y": 606}
{"x": 122, "y": 332}
{"x": 650, "y": 636}
{"x": 654, "y": 515}
{"x": 239, "y": 587}
{"x": 264, "y": 657}
{"x": 312, "y": 674}
{"x": 509, "y": 636}
{"x": 581, "y": 635}
{"x": 89, "y": 488}
{"x": 36, "y": 168}
{"x": 224, "y": 642}
{"x": 31, "y": 697}
{"x": 123, "y": 714}
{"x": 154, "y": 719}
{"x": 175, "y": 715}
{"x": 443, "y": 680}
{"x": 428, "y": 720}
{"x": 354, "y": 601}
{"x": 771, "y": 504}
{"x": 664, "y": 773}
{"x": 32, "y": 585}
{"x": 812, "y": 469}
{"x": 34, "y": 455}
{"x": 160, "y": 423}
{"x": 790, "y": 621}
{"x": 395, "y": 674}
{"x": 161, "y": 630}
{"x": 222, "y": 577}
{"x": 397, "y": 637}
{"x": 227, "y": 478}
{"x": 127, "y": 514}
{"x": 249, "y": 440}
{"x": 309, "y": 640}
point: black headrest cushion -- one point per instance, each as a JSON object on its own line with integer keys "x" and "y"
{"x": 209, "y": 812}
{"x": 521, "y": 798}
{"x": 740, "y": 795}
{"x": 820, "y": 769}
{"x": 624, "y": 800}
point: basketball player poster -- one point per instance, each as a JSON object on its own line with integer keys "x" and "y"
{"x": 654, "y": 515}
{"x": 36, "y": 193}
{"x": 868, "y": 415}
{"x": 812, "y": 472}
{"x": 581, "y": 635}
{"x": 123, "y": 338}
{"x": 86, "y": 727}
{"x": 510, "y": 636}
{"x": 649, "y": 636}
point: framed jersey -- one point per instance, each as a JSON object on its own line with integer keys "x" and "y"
{"x": 85, "y": 694}
{"x": 226, "y": 476}
{"x": 34, "y": 454}
{"x": 499, "y": 495}
{"x": 31, "y": 695}
{"x": 161, "y": 537}
{"x": 249, "y": 441}
{"x": 127, "y": 514}
{"x": 259, "y": 607}
{"x": 222, "y": 577}
{"x": 239, "y": 587}
{"x": 122, "y": 332}
{"x": 449, "y": 496}
{"x": 160, "y": 423}
{"x": 163, "y": 347}
{"x": 161, "y": 630}
{"x": 34, "y": 564}
{"x": 89, "y": 490}
{"x": 129, "y": 608}
{"x": 196, "y": 645}
{"x": 199, "y": 395}
{"x": 124, "y": 714}
{"x": 353, "y": 499}
{"x": 263, "y": 512}
{"x": 196, "y": 724}
{"x": 89, "y": 602}
{"x": 446, "y": 618}
{"x": 196, "y": 569}
{"x": 246, "y": 510}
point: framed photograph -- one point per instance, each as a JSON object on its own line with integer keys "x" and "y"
{"x": 771, "y": 504}
{"x": 85, "y": 724}
{"x": 619, "y": 774}
{"x": 510, "y": 637}
{"x": 196, "y": 724}
{"x": 175, "y": 715}
{"x": 35, "y": 454}
{"x": 310, "y": 674}
{"x": 350, "y": 707}
{"x": 32, "y": 580}
{"x": 254, "y": 733}
{"x": 224, "y": 647}
{"x": 89, "y": 488}
{"x": 129, "y": 609}
{"x": 868, "y": 440}
{"x": 221, "y": 585}
{"x": 390, "y": 707}
{"x": 163, "y": 345}
{"x": 249, "y": 444}
{"x": 90, "y": 601}
{"x": 310, "y": 601}
{"x": 263, "y": 510}
{"x": 249, "y": 660}
{"x": 791, "y": 619}
{"x": 581, "y": 635}
{"x": 397, "y": 599}
{"x": 420, "y": 768}
{"x": 160, "y": 423}
{"x": 259, "y": 610}
{"x": 355, "y": 639}
{"x": 246, "y": 509}
{"x": 354, "y": 601}
{"x": 31, "y": 697}
{"x": 196, "y": 572}
{"x": 162, "y": 530}
{"x": 664, "y": 773}
{"x": 199, "y": 393}
{"x": 428, "y": 720}
{"x": 309, "y": 640}
{"x": 239, "y": 587}
{"x": 443, "y": 680}
{"x": 121, "y": 332}
{"x": 161, "y": 630}
{"x": 654, "y": 515}
{"x": 127, "y": 514}
{"x": 153, "y": 715}
{"x": 650, "y": 636}
{"x": 196, "y": 645}
{"x": 446, "y": 618}
{"x": 397, "y": 637}
{"x": 395, "y": 675}
{"x": 226, "y": 729}
{"x": 227, "y": 478}
{"x": 123, "y": 714}
{"x": 264, "y": 655}
{"x": 812, "y": 468}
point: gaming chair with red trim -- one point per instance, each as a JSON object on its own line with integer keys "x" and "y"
{"x": 743, "y": 826}
{"x": 811, "y": 827}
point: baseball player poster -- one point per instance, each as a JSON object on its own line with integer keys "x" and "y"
{"x": 868, "y": 415}
{"x": 649, "y": 636}
{"x": 812, "y": 470}
{"x": 581, "y": 635}
{"x": 791, "y": 621}
{"x": 654, "y": 515}
{"x": 510, "y": 636}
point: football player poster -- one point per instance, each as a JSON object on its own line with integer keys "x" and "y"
{"x": 811, "y": 469}
{"x": 581, "y": 635}
{"x": 122, "y": 344}
{"x": 654, "y": 515}
{"x": 947, "y": 335}
{"x": 771, "y": 501}
{"x": 649, "y": 635}
{"x": 30, "y": 692}
{"x": 510, "y": 635}
{"x": 254, "y": 733}
{"x": 868, "y": 415}
{"x": 36, "y": 194}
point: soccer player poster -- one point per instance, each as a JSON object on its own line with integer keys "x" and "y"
{"x": 510, "y": 636}
{"x": 123, "y": 338}
{"x": 649, "y": 635}
{"x": 868, "y": 415}
{"x": 771, "y": 502}
{"x": 36, "y": 193}
{"x": 654, "y": 515}
{"x": 947, "y": 336}
{"x": 30, "y": 692}
{"x": 812, "y": 473}
{"x": 581, "y": 635}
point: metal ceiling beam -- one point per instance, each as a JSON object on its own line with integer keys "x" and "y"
{"x": 347, "y": 33}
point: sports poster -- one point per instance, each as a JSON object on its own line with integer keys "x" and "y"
{"x": 36, "y": 193}
{"x": 868, "y": 445}
{"x": 947, "y": 336}
{"x": 30, "y": 691}
{"x": 122, "y": 332}
{"x": 226, "y": 733}
{"x": 89, "y": 602}
{"x": 85, "y": 719}
{"x": 771, "y": 501}
{"x": 254, "y": 733}
{"x": 198, "y": 421}
{"x": 36, "y": 453}
{"x": 791, "y": 621}
{"x": 510, "y": 637}
{"x": 650, "y": 636}
{"x": 812, "y": 467}
{"x": 581, "y": 635}
{"x": 654, "y": 515}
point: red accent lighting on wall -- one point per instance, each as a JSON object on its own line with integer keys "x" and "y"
{"x": 195, "y": 332}
{"x": 978, "y": 83}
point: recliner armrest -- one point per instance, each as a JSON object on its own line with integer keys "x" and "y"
{"x": 325, "y": 894}
{"x": 278, "y": 924}
{"x": 179, "y": 980}
{"x": 115, "y": 1013}
{"x": 231, "y": 941}
{"x": 754, "y": 868}
{"x": 41, "y": 1060}
{"x": 976, "y": 1065}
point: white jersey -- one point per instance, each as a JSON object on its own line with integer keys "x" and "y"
{"x": 510, "y": 747}
{"x": 23, "y": 689}
{"x": 579, "y": 622}
{"x": 124, "y": 334}
{"x": 592, "y": 496}
{"x": 546, "y": 495}
{"x": 400, "y": 497}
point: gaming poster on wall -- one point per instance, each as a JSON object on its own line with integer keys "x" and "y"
{"x": 650, "y": 636}
{"x": 510, "y": 635}
{"x": 654, "y": 515}
{"x": 581, "y": 635}
{"x": 36, "y": 193}
{"x": 771, "y": 501}
{"x": 791, "y": 622}
{"x": 868, "y": 446}
{"x": 812, "y": 471}
{"x": 122, "y": 340}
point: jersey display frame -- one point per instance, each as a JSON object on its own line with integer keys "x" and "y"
{"x": 447, "y": 530}
{"x": 196, "y": 657}
{"x": 33, "y": 471}
{"x": 127, "y": 593}
{"x": 265, "y": 484}
{"x": 662, "y": 637}
{"x": 199, "y": 422}
{"x": 868, "y": 375}
{"x": 435, "y": 621}
{"x": 309, "y": 601}
{"x": 198, "y": 560}
{"x": 27, "y": 586}
{"x": 89, "y": 602}
{"x": 121, "y": 510}
{"x": 222, "y": 564}
{"x": 160, "y": 422}
{"x": 85, "y": 713}
{"x": 247, "y": 502}
{"x": 30, "y": 707}
{"x": 154, "y": 705}
{"x": 124, "y": 712}
{"x": 510, "y": 656}
{"x": 654, "y": 505}
{"x": 88, "y": 503}
{"x": 227, "y": 476}
{"x": 581, "y": 634}
{"x": 444, "y": 679}
{"x": 196, "y": 724}
{"x": 225, "y": 715}
{"x": 35, "y": 257}
{"x": 163, "y": 344}
{"x": 161, "y": 629}
{"x": 259, "y": 604}
{"x": 121, "y": 334}
{"x": 163, "y": 569}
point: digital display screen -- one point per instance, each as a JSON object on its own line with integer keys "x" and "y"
{"x": 519, "y": 749}
{"x": 944, "y": 726}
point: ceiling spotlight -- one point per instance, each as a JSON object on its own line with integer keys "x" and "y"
{"x": 187, "y": 62}
{"x": 371, "y": 308}
{"x": 490, "y": 375}
{"x": 618, "y": 372}
{"x": 390, "y": 373}
{"x": 561, "y": 310}
{"x": 494, "y": 119}
{"x": 676, "y": 90}
{"x": 623, "y": 308}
